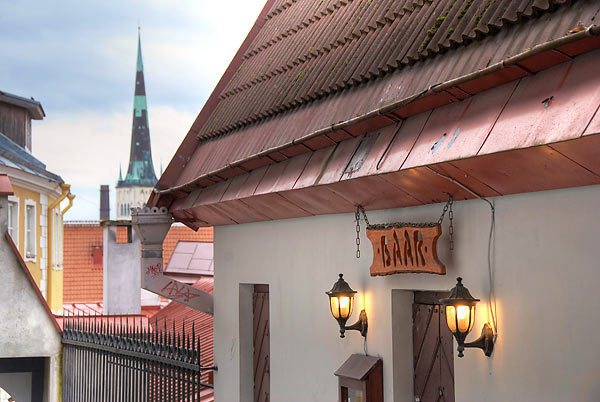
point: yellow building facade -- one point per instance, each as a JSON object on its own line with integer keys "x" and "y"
{"x": 40, "y": 200}
{"x": 36, "y": 227}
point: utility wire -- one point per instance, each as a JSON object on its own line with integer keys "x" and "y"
{"x": 491, "y": 294}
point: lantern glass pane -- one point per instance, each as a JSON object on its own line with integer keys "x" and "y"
{"x": 465, "y": 321}
{"x": 341, "y": 307}
{"x": 472, "y": 319}
{"x": 451, "y": 318}
{"x": 462, "y": 312}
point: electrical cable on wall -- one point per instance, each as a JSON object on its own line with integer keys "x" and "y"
{"x": 492, "y": 294}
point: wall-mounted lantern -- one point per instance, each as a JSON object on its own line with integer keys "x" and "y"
{"x": 460, "y": 317}
{"x": 341, "y": 302}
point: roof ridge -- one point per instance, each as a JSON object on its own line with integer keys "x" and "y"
{"x": 313, "y": 53}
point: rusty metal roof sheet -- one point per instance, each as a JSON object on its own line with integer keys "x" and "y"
{"x": 504, "y": 140}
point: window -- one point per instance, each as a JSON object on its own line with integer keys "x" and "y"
{"x": 28, "y": 132}
{"x": 30, "y": 236}
{"x": 13, "y": 220}
{"x": 97, "y": 257}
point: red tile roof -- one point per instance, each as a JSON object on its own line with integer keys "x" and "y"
{"x": 176, "y": 314}
{"x": 81, "y": 281}
{"x": 313, "y": 73}
{"x": 92, "y": 312}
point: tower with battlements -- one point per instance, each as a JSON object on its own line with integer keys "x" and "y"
{"x": 135, "y": 188}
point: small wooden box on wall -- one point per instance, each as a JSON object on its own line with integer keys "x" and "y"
{"x": 360, "y": 379}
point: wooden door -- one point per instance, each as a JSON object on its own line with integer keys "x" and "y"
{"x": 433, "y": 350}
{"x": 261, "y": 343}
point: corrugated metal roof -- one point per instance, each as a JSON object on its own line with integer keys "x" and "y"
{"x": 535, "y": 133}
{"x": 312, "y": 48}
{"x": 308, "y": 126}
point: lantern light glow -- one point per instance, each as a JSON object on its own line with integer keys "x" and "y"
{"x": 460, "y": 318}
{"x": 341, "y": 303}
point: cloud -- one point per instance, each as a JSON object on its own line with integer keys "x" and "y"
{"x": 75, "y": 55}
{"x": 88, "y": 147}
{"x": 78, "y": 58}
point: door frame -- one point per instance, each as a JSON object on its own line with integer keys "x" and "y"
{"x": 33, "y": 365}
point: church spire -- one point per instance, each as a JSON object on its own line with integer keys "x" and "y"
{"x": 140, "y": 172}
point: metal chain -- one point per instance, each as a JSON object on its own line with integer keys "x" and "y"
{"x": 451, "y": 227}
{"x": 357, "y": 217}
{"x": 447, "y": 208}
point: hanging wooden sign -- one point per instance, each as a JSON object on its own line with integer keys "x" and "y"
{"x": 405, "y": 249}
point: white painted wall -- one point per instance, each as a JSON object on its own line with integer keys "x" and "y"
{"x": 547, "y": 273}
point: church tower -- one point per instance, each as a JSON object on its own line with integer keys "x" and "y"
{"x": 134, "y": 190}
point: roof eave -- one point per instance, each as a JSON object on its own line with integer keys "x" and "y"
{"x": 34, "y": 107}
{"x": 389, "y": 109}
{"x": 179, "y": 160}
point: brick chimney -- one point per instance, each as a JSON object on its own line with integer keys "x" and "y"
{"x": 104, "y": 203}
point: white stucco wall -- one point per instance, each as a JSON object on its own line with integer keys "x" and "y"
{"x": 547, "y": 273}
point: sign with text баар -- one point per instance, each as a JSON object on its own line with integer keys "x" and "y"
{"x": 405, "y": 249}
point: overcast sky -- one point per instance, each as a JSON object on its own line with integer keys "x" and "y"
{"x": 78, "y": 59}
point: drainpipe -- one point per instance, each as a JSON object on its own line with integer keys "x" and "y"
{"x": 66, "y": 191}
{"x": 151, "y": 226}
{"x": 71, "y": 197}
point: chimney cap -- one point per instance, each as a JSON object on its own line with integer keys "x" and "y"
{"x": 5, "y": 186}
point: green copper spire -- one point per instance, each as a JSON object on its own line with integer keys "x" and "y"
{"x": 140, "y": 172}
{"x": 140, "y": 64}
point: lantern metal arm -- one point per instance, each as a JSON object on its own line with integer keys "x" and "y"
{"x": 361, "y": 325}
{"x": 485, "y": 342}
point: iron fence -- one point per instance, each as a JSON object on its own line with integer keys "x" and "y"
{"x": 119, "y": 361}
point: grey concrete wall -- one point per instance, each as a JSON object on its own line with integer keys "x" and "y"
{"x": 121, "y": 274}
{"x": 26, "y": 329}
{"x": 546, "y": 279}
